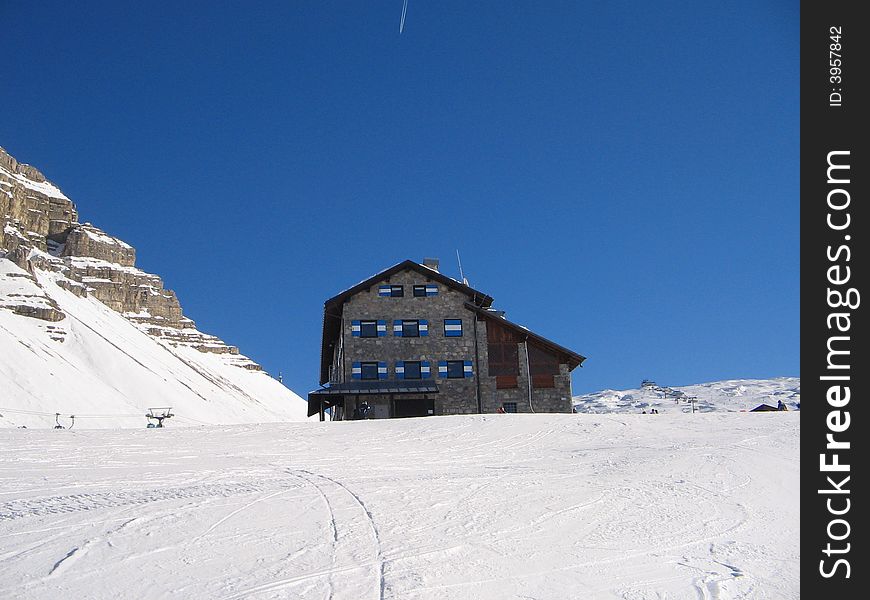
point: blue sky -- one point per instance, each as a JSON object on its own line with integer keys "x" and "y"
{"x": 622, "y": 177}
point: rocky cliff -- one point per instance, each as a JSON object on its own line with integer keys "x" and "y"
{"x": 39, "y": 229}
{"x": 89, "y": 340}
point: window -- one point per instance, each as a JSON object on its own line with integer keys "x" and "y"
{"x": 502, "y": 350}
{"x": 455, "y": 369}
{"x": 543, "y": 381}
{"x": 368, "y": 370}
{"x": 395, "y": 291}
{"x": 368, "y": 329}
{"x": 509, "y": 407}
{"x": 452, "y": 327}
{"x": 422, "y": 291}
{"x": 450, "y": 369}
{"x": 410, "y": 328}
{"x": 543, "y": 367}
{"x": 412, "y": 370}
{"x": 417, "y": 369}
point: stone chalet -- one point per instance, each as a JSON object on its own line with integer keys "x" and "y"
{"x": 411, "y": 342}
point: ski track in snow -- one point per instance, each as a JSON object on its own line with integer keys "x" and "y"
{"x": 513, "y": 506}
{"x": 30, "y": 507}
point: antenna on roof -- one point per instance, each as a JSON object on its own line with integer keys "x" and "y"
{"x": 461, "y": 274}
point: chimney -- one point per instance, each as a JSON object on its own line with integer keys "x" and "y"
{"x": 432, "y": 263}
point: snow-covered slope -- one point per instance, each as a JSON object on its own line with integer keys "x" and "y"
{"x": 493, "y": 507}
{"x": 729, "y": 395}
{"x": 102, "y": 368}
{"x": 85, "y": 332}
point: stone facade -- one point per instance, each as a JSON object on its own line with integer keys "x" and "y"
{"x": 467, "y": 395}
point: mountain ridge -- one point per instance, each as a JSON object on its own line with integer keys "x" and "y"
{"x": 53, "y": 268}
{"x": 729, "y": 395}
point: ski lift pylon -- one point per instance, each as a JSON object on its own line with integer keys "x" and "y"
{"x": 157, "y": 415}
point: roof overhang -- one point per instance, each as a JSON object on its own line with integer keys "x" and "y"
{"x": 571, "y": 358}
{"x": 329, "y": 396}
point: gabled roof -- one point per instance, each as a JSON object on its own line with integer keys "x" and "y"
{"x": 570, "y": 357}
{"x": 333, "y": 308}
{"x": 480, "y": 298}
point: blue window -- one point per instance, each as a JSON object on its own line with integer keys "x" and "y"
{"x": 412, "y": 369}
{"x": 410, "y": 328}
{"x": 452, "y": 327}
{"x": 509, "y": 407}
{"x": 368, "y": 328}
{"x": 455, "y": 369}
{"x": 394, "y": 291}
{"x": 369, "y": 370}
{"x": 422, "y": 291}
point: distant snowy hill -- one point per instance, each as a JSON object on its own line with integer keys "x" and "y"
{"x": 732, "y": 395}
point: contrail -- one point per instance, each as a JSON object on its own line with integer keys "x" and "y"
{"x": 404, "y": 12}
